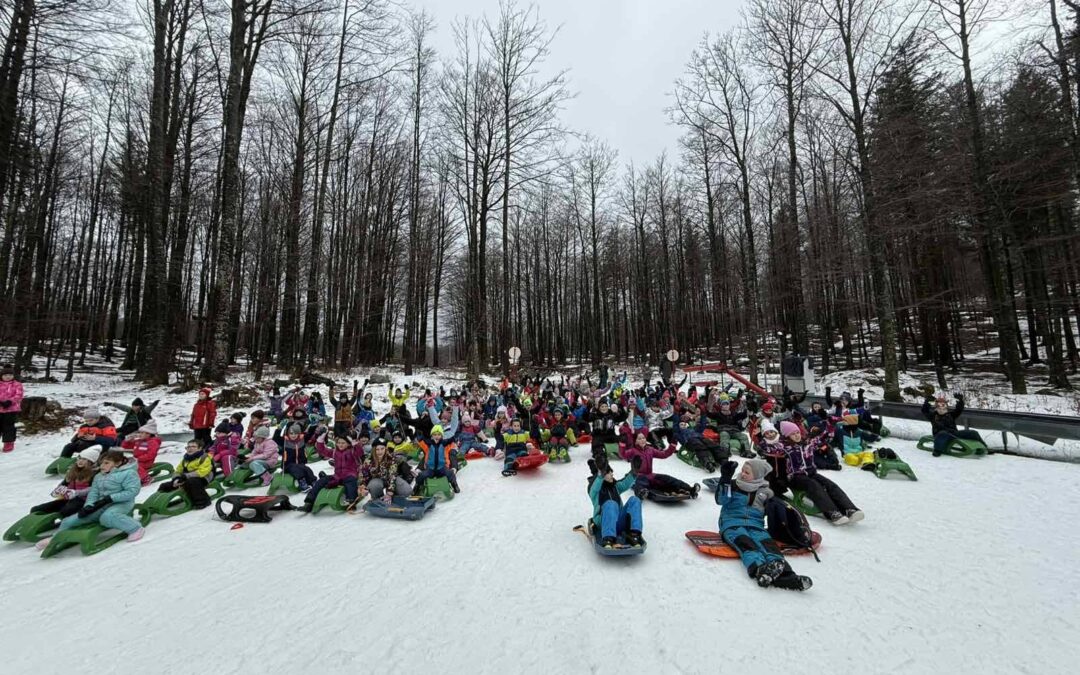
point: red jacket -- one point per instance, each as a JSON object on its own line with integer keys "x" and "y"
{"x": 145, "y": 453}
{"x": 203, "y": 414}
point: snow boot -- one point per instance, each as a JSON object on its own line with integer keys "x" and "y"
{"x": 9, "y": 446}
{"x": 710, "y": 467}
{"x": 509, "y": 472}
{"x": 136, "y": 535}
{"x": 789, "y": 581}
{"x": 608, "y": 542}
{"x": 43, "y": 543}
{"x": 564, "y": 454}
{"x": 837, "y": 518}
{"x": 303, "y": 486}
{"x": 455, "y": 488}
{"x": 266, "y": 478}
{"x": 633, "y": 537}
{"x": 694, "y": 491}
{"x": 306, "y": 508}
{"x": 854, "y": 515}
{"x": 769, "y": 572}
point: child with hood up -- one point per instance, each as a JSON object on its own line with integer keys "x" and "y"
{"x": 144, "y": 445}
{"x": 110, "y": 501}
{"x": 224, "y": 449}
{"x": 742, "y": 525}
{"x": 70, "y": 495}
{"x": 802, "y": 475}
{"x": 192, "y": 475}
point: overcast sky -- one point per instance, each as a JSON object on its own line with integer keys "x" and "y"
{"x": 623, "y": 56}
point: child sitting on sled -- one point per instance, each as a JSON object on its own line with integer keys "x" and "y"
{"x": 515, "y": 444}
{"x": 224, "y": 449}
{"x": 293, "y": 447}
{"x": 943, "y": 423}
{"x": 347, "y": 455}
{"x": 742, "y": 525}
{"x": 143, "y": 445}
{"x": 645, "y": 453}
{"x": 436, "y": 459}
{"x": 802, "y": 475}
{"x": 610, "y": 516}
{"x": 193, "y": 474}
{"x": 70, "y": 495}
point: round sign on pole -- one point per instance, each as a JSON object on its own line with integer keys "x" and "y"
{"x": 673, "y": 355}
{"x": 515, "y": 353}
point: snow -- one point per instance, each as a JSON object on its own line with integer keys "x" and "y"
{"x": 954, "y": 573}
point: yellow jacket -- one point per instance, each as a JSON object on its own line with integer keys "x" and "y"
{"x": 202, "y": 466}
{"x": 398, "y": 400}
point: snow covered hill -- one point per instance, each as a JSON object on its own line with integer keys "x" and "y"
{"x": 970, "y": 569}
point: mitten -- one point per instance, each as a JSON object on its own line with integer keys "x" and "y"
{"x": 728, "y": 469}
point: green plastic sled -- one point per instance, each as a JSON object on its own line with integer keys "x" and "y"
{"x": 312, "y": 454}
{"x": 32, "y": 527}
{"x": 283, "y": 481}
{"x": 175, "y": 503}
{"x": 685, "y": 454}
{"x": 242, "y": 479}
{"x": 91, "y": 538}
{"x": 800, "y": 501}
{"x": 885, "y": 433}
{"x": 882, "y": 467}
{"x": 160, "y": 471}
{"x": 334, "y": 498}
{"x": 957, "y": 447}
{"x": 612, "y": 450}
{"x": 59, "y": 466}
{"x": 556, "y": 458}
{"x": 438, "y": 487}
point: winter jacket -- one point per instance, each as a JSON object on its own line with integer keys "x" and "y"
{"x": 198, "y": 465}
{"x": 145, "y": 453}
{"x": 605, "y": 424}
{"x": 942, "y": 422}
{"x": 292, "y": 451}
{"x": 655, "y": 418}
{"x": 133, "y": 420}
{"x": 315, "y": 407}
{"x": 203, "y": 414}
{"x": 435, "y": 456}
{"x": 12, "y": 394}
{"x": 397, "y": 401}
{"x": 343, "y": 408}
{"x": 346, "y": 462}
{"x": 800, "y": 458}
{"x": 122, "y": 484}
{"x": 386, "y": 471}
{"x": 266, "y": 451}
{"x": 736, "y": 508}
{"x": 276, "y": 409}
{"x": 226, "y": 446}
{"x": 295, "y": 401}
{"x": 600, "y": 492}
{"x": 103, "y": 427}
{"x": 515, "y": 442}
{"x": 734, "y": 419}
{"x": 647, "y": 455}
{"x": 72, "y": 488}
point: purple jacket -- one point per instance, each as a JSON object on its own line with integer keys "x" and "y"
{"x": 647, "y": 455}
{"x": 346, "y": 462}
{"x": 800, "y": 458}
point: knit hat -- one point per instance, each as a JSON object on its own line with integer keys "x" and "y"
{"x": 8, "y": 369}
{"x": 768, "y": 408}
{"x": 766, "y": 427}
{"x": 789, "y": 428}
{"x": 759, "y": 468}
{"x": 222, "y": 428}
{"x": 501, "y": 410}
{"x": 137, "y": 402}
{"x": 205, "y": 390}
{"x": 149, "y": 428}
{"x": 437, "y": 430}
{"x": 92, "y": 413}
{"x": 724, "y": 398}
{"x": 91, "y": 454}
{"x": 294, "y": 429}
{"x": 262, "y": 432}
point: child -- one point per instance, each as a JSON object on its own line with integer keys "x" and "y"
{"x": 561, "y": 438}
{"x": 97, "y": 429}
{"x": 135, "y": 415}
{"x": 193, "y": 474}
{"x": 11, "y": 396}
{"x": 144, "y": 445}
{"x": 70, "y": 494}
{"x": 263, "y": 456}
{"x": 343, "y": 419}
{"x": 315, "y": 406}
{"x": 236, "y": 425}
{"x": 400, "y": 445}
{"x": 111, "y": 499}
{"x": 691, "y": 435}
{"x": 471, "y": 437}
{"x": 610, "y": 516}
{"x": 276, "y": 401}
{"x": 347, "y": 458}
{"x": 742, "y": 525}
{"x": 646, "y": 479}
{"x": 257, "y": 419}
{"x": 802, "y": 475}
{"x": 515, "y": 444}
{"x": 224, "y": 449}
{"x": 294, "y": 454}
{"x": 203, "y": 416}
{"x": 436, "y": 459}
{"x": 772, "y": 451}
{"x": 943, "y": 423}
{"x": 384, "y": 475}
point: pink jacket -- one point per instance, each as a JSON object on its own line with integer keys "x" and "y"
{"x": 11, "y": 391}
{"x": 224, "y": 447}
{"x": 647, "y": 454}
{"x": 267, "y": 451}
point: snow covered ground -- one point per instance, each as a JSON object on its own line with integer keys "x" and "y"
{"x": 967, "y": 570}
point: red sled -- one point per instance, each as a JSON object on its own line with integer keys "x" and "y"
{"x": 530, "y": 461}
{"x": 475, "y": 454}
{"x": 711, "y": 543}
{"x": 584, "y": 438}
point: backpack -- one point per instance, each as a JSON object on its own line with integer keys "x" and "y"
{"x": 786, "y": 524}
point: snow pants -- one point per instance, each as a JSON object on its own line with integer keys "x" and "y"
{"x": 203, "y": 436}
{"x": 376, "y": 488}
{"x": 754, "y": 545}
{"x": 826, "y": 495}
{"x": 658, "y": 435}
{"x": 113, "y": 517}
{"x": 258, "y": 467}
{"x": 7, "y": 426}
{"x": 660, "y": 483}
{"x": 351, "y": 485}
{"x": 227, "y": 463}
{"x": 615, "y": 519}
{"x": 64, "y": 507}
{"x": 78, "y": 445}
{"x": 445, "y": 472}
{"x": 301, "y": 472}
{"x": 943, "y": 438}
{"x": 708, "y": 452}
{"x": 468, "y": 442}
{"x": 511, "y": 455}
{"x": 195, "y": 488}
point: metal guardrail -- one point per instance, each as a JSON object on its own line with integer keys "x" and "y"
{"x": 1043, "y": 428}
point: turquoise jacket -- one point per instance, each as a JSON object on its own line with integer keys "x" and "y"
{"x": 122, "y": 484}
{"x": 621, "y": 485}
{"x": 735, "y": 508}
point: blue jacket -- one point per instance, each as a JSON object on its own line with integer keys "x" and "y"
{"x": 437, "y": 454}
{"x": 122, "y": 484}
{"x": 621, "y": 486}
{"x": 684, "y": 435}
{"x": 735, "y": 509}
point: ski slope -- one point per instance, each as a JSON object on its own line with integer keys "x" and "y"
{"x": 970, "y": 569}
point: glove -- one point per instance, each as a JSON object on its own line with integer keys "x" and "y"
{"x": 828, "y": 390}
{"x": 86, "y": 511}
{"x": 5, "y": 404}
{"x": 727, "y": 471}
{"x": 102, "y": 503}
{"x": 862, "y": 391}
{"x": 959, "y": 397}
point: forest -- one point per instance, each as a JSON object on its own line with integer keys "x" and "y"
{"x": 193, "y": 185}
